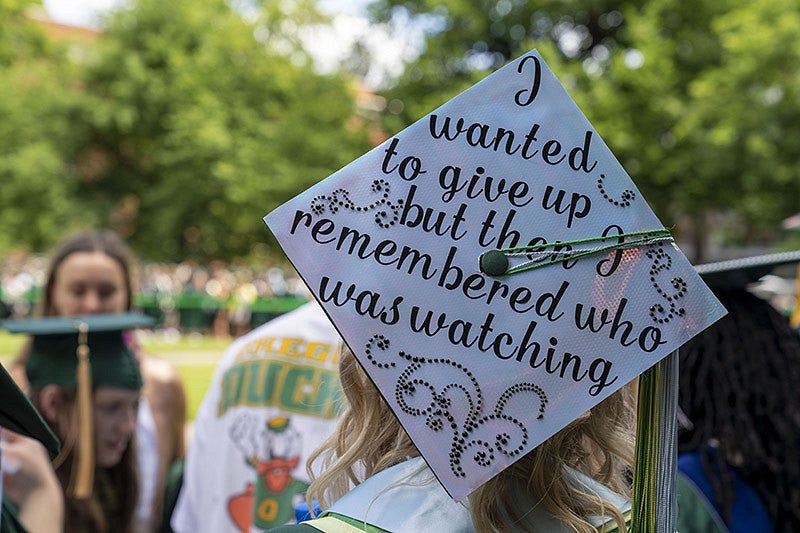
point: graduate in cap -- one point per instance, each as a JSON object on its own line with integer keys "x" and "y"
{"x": 32, "y": 498}
{"x": 86, "y": 383}
{"x": 740, "y": 429}
{"x": 499, "y": 282}
{"x": 93, "y": 272}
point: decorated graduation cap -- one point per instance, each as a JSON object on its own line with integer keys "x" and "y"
{"x": 82, "y": 352}
{"x": 18, "y": 414}
{"x": 495, "y": 271}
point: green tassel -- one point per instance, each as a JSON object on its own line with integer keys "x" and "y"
{"x": 654, "y": 500}
{"x": 646, "y": 457}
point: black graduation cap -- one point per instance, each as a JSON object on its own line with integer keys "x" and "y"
{"x": 82, "y": 352}
{"x": 18, "y": 414}
{"x": 739, "y": 273}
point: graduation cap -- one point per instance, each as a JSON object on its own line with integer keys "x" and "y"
{"x": 741, "y": 272}
{"x": 18, "y": 414}
{"x": 82, "y": 352}
{"x": 495, "y": 271}
{"x": 745, "y": 274}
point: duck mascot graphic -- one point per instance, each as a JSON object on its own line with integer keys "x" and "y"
{"x": 273, "y": 451}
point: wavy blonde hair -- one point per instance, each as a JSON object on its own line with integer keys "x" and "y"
{"x": 369, "y": 439}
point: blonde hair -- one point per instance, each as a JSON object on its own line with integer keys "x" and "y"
{"x": 599, "y": 444}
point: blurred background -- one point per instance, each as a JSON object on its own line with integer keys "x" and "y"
{"x": 181, "y": 123}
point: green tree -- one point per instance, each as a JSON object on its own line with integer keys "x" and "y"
{"x": 639, "y": 96}
{"x": 744, "y": 124}
{"x": 40, "y": 132}
{"x": 204, "y": 120}
{"x": 20, "y": 37}
{"x": 467, "y": 39}
{"x": 704, "y": 118}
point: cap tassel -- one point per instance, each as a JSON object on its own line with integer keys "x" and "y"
{"x": 81, "y": 486}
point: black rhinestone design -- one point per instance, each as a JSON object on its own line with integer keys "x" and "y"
{"x": 484, "y": 435}
{"x": 386, "y": 213}
{"x": 660, "y": 312}
{"x": 626, "y": 197}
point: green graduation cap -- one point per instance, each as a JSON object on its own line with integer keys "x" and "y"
{"x": 18, "y": 414}
{"x": 82, "y": 352}
{"x": 112, "y": 361}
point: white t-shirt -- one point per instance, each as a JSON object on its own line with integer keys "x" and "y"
{"x": 274, "y": 397}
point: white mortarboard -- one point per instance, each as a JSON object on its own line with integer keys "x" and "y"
{"x": 483, "y": 356}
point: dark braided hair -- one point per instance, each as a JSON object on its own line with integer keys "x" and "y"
{"x": 739, "y": 386}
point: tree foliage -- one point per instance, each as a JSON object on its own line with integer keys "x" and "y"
{"x": 40, "y": 134}
{"x": 186, "y": 122}
{"x": 470, "y": 38}
{"x": 181, "y": 126}
{"x": 204, "y": 127}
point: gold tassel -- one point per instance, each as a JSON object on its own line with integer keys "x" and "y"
{"x": 81, "y": 486}
{"x": 795, "y": 318}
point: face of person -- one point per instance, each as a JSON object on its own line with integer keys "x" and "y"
{"x": 115, "y": 413}
{"x": 89, "y": 283}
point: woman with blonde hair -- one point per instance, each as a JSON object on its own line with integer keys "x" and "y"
{"x": 575, "y": 481}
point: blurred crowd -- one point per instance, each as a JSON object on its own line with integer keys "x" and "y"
{"x": 219, "y": 299}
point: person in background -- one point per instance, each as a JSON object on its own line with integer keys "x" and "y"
{"x": 273, "y": 398}
{"x": 27, "y": 481}
{"x": 565, "y": 484}
{"x": 740, "y": 423}
{"x": 86, "y": 383}
{"x": 92, "y": 272}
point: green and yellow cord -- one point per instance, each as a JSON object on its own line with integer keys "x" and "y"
{"x": 497, "y": 262}
{"x": 655, "y": 462}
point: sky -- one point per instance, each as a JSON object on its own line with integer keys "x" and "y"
{"x": 327, "y": 47}
{"x": 77, "y": 12}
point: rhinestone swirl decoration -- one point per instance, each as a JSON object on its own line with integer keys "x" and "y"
{"x": 626, "y": 197}
{"x": 482, "y": 435}
{"x": 386, "y": 213}
{"x": 659, "y": 312}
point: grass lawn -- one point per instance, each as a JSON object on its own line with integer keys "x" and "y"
{"x": 196, "y": 378}
{"x": 194, "y": 357}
